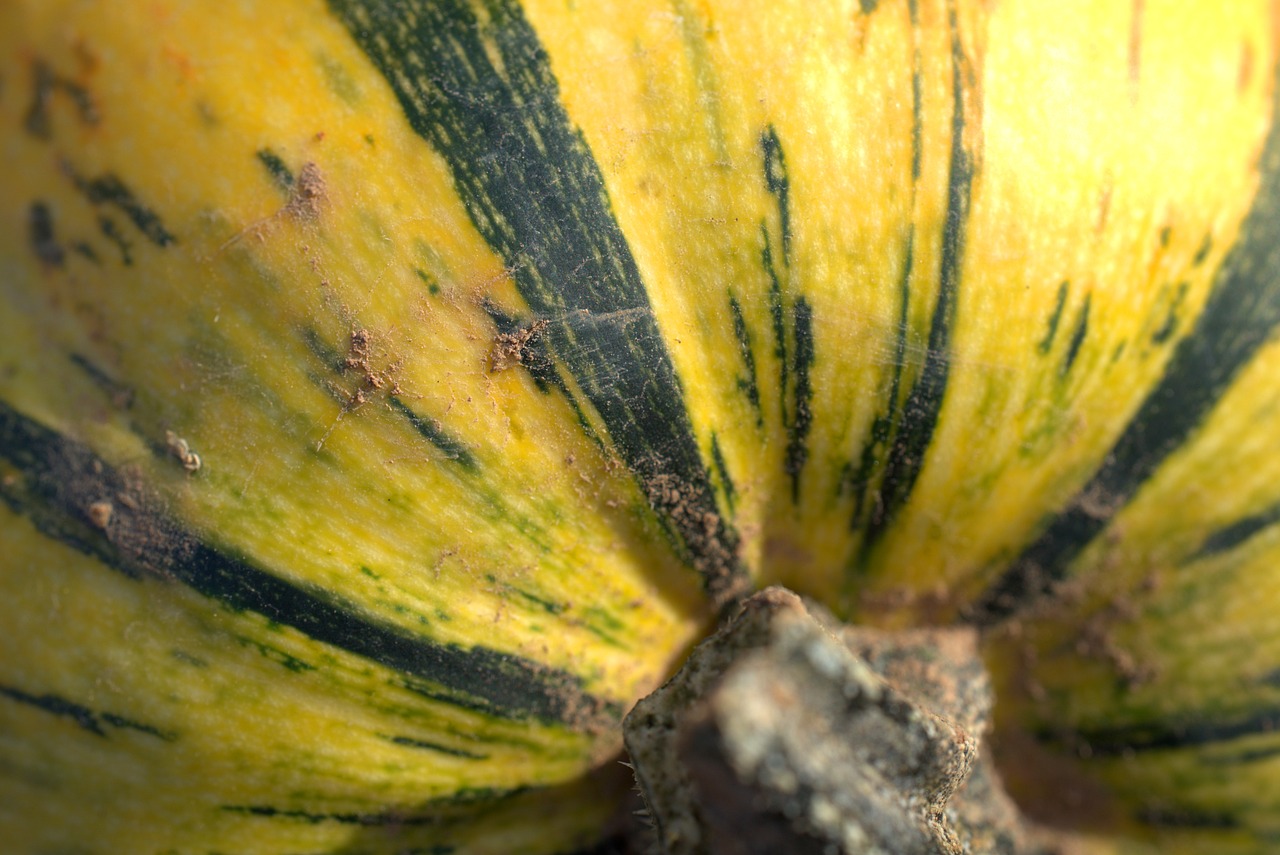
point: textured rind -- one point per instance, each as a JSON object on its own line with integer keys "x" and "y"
{"x": 391, "y": 392}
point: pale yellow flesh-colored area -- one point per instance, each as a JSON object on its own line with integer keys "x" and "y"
{"x": 1082, "y": 164}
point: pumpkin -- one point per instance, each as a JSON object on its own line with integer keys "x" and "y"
{"x": 393, "y": 391}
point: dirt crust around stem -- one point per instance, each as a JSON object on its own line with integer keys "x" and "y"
{"x": 789, "y": 732}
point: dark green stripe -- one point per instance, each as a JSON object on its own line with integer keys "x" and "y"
{"x": 410, "y": 742}
{"x": 459, "y": 804}
{"x": 1226, "y": 539}
{"x": 1170, "y": 325}
{"x": 1167, "y": 735}
{"x": 40, "y": 235}
{"x": 797, "y": 453}
{"x": 722, "y": 473}
{"x": 109, "y": 190}
{"x": 749, "y": 385}
{"x": 87, "y": 719}
{"x": 1077, "y": 337}
{"x": 917, "y": 97}
{"x": 479, "y": 89}
{"x": 778, "y": 318}
{"x": 112, "y": 232}
{"x": 1186, "y": 818}
{"x": 1055, "y": 318}
{"x": 45, "y": 84}
{"x": 430, "y": 430}
{"x": 862, "y": 481}
{"x": 60, "y": 478}
{"x": 778, "y": 184}
{"x": 923, "y": 406}
{"x": 1240, "y": 315}
{"x": 281, "y": 175}
{"x": 448, "y": 445}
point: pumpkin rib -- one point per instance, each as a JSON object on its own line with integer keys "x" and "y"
{"x": 1242, "y": 313}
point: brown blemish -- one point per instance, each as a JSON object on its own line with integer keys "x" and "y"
{"x": 1245, "y": 75}
{"x": 306, "y": 198}
{"x": 515, "y": 348}
{"x": 371, "y": 381}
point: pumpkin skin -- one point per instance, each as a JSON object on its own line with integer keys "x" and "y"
{"x": 392, "y": 392}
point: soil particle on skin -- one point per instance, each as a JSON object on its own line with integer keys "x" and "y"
{"x": 100, "y": 514}
{"x": 308, "y": 195}
{"x": 515, "y": 348}
{"x": 182, "y": 452}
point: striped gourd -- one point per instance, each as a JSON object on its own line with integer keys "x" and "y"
{"x": 391, "y": 391}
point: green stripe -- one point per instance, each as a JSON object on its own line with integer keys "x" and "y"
{"x": 920, "y": 412}
{"x": 480, "y": 90}
{"x": 1077, "y": 337}
{"x": 84, "y": 717}
{"x": 41, "y": 237}
{"x": 1240, "y": 316}
{"x": 797, "y": 453}
{"x": 1166, "y": 735}
{"x": 749, "y": 385}
{"x": 280, "y": 173}
{"x": 60, "y": 478}
{"x": 110, "y": 191}
{"x": 862, "y": 481}
{"x": 1228, "y": 538}
{"x": 1055, "y": 318}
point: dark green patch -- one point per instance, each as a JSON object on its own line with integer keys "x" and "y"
{"x": 59, "y": 478}
{"x": 867, "y": 6}
{"x": 1054, "y": 319}
{"x": 433, "y": 286}
{"x": 1240, "y": 315}
{"x": 1078, "y": 334}
{"x": 480, "y": 90}
{"x": 281, "y": 175}
{"x": 44, "y": 85}
{"x": 84, "y": 717}
{"x": 109, "y": 190}
{"x": 41, "y": 237}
